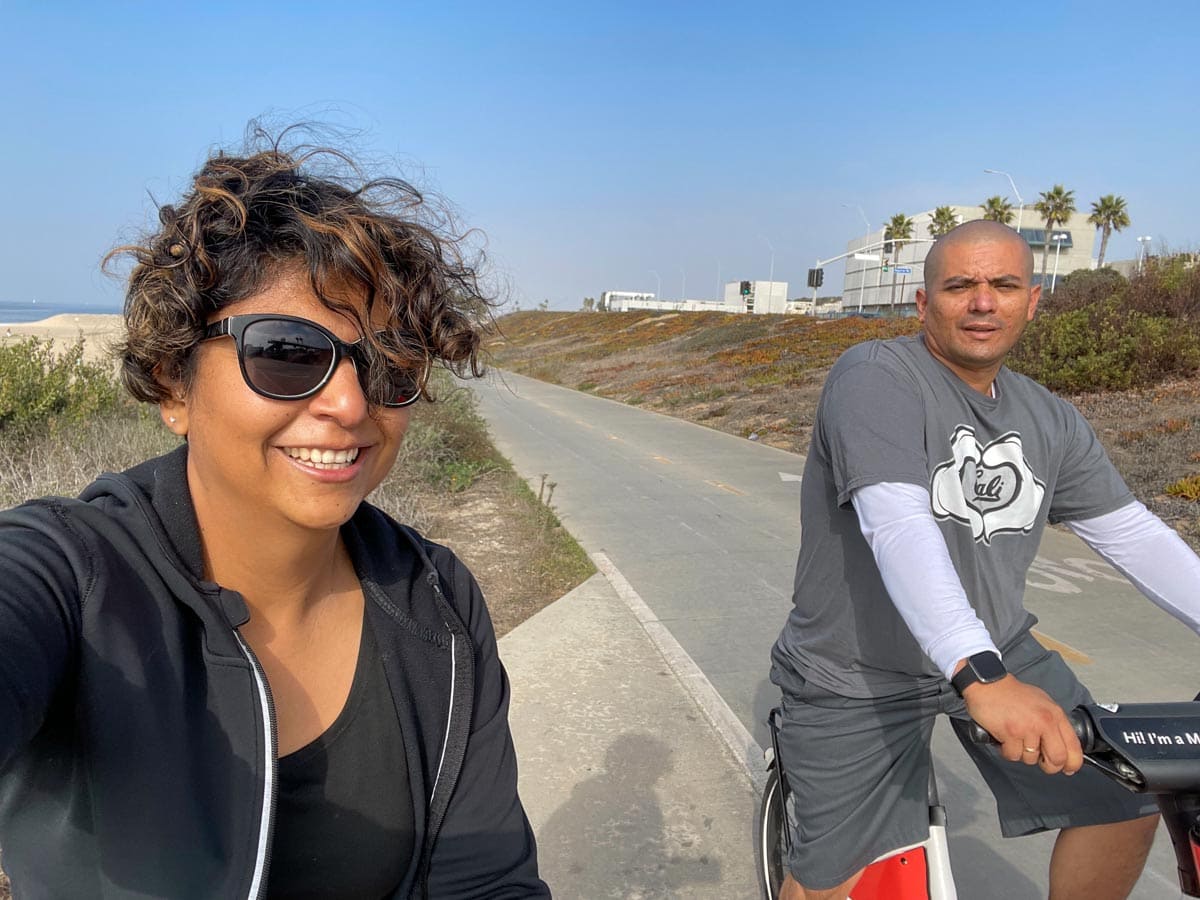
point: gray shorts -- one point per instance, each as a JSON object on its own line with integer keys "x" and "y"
{"x": 859, "y": 771}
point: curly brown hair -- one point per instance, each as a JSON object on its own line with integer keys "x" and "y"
{"x": 248, "y": 217}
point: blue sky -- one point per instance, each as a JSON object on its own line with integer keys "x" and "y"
{"x": 597, "y": 145}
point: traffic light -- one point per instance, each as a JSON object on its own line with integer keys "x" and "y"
{"x": 745, "y": 289}
{"x": 816, "y": 277}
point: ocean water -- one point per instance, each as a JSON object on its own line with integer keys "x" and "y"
{"x": 12, "y": 312}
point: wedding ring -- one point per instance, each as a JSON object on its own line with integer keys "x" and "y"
{"x": 1031, "y": 749}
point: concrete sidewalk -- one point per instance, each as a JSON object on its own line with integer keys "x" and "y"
{"x": 630, "y": 788}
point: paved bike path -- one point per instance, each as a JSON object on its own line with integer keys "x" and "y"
{"x": 705, "y": 527}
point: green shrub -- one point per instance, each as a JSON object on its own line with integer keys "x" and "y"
{"x": 1085, "y": 287}
{"x": 1167, "y": 286}
{"x": 1106, "y": 346}
{"x": 39, "y": 385}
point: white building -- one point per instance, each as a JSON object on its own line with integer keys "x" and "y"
{"x": 757, "y": 296}
{"x": 619, "y": 301}
{"x": 738, "y": 297}
{"x": 868, "y": 288}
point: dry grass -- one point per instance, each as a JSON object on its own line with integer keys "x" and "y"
{"x": 514, "y": 544}
{"x": 64, "y": 460}
{"x": 1150, "y": 434}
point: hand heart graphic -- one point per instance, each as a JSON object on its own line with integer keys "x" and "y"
{"x": 991, "y": 488}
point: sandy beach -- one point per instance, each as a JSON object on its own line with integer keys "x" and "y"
{"x": 98, "y": 331}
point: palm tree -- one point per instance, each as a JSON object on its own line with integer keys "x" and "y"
{"x": 1108, "y": 213}
{"x": 1055, "y": 207}
{"x": 943, "y": 221}
{"x": 997, "y": 209}
{"x": 898, "y": 230}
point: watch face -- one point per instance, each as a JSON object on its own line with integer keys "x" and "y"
{"x": 987, "y": 667}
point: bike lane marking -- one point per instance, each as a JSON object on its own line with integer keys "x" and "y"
{"x": 1066, "y": 651}
{"x": 724, "y": 487}
{"x": 1058, "y": 577}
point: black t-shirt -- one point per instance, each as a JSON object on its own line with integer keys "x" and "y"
{"x": 344, "y": 813}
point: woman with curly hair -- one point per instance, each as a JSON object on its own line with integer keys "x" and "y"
{"x": 223, "y": 673}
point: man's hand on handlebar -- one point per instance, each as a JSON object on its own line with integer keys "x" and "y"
{"x": 1029, "y": 726}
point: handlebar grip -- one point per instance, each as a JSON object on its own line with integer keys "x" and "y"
{"x": 1081, "y": 724}
{"x": 979, "y": 735}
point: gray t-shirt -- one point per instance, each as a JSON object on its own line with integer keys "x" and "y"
{"x": 997, "y": 470}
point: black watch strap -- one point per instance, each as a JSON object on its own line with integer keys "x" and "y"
{"x": 983, "y": 667}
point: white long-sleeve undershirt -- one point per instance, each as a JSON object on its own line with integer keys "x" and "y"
{"x": 918, "y": 573}
{"x": 1151, "y": 555}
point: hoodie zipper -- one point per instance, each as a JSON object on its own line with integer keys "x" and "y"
{"x": 262, "y": 856}
{"x": 435, "y": 825}
{"x": 449, "y": 715}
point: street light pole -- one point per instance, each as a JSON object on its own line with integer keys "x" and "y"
{"x": 1013, "y": 185}
{"x": 874, "y": 245}
{"x": 1058, "y": 239}
{"x": 658, "y": 282}
{"x": 1142, "y": 242}
{"x": 862, "y": 276}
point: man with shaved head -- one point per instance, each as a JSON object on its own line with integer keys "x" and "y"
{"x": 932, "y": 474}
{"x": 977, "y": 231}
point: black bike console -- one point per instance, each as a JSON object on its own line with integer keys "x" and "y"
{"x": 1155, "y": 747}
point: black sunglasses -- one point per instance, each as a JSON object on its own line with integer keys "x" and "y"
{"x": 289, "y": 358}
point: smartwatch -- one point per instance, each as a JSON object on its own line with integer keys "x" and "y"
{"x": 984, "y": 668}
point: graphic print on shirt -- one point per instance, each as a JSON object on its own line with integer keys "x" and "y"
{"x": 991, "y": 489}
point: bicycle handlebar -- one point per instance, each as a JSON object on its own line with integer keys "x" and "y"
{"x": 1148, "y": 749}
{"x": 1081, "y": 724}
{"x": 1151, "y": 748}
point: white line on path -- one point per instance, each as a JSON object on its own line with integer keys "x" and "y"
{"x": 730, "y": 728}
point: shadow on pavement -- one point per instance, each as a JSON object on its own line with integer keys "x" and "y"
{"x": 611, "y": 831}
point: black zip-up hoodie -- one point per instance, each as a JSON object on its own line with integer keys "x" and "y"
{"x": 137, "y": 744}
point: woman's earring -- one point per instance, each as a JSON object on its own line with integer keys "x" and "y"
{"x": 171, "y": 419}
